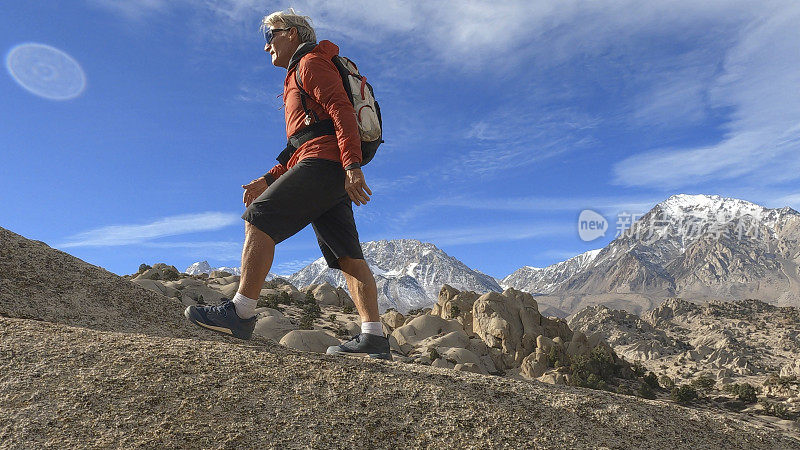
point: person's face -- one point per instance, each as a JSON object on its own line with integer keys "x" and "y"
{"x": 282, "y": 46}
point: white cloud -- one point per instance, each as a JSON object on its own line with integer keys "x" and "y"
{"x": 759, "y": 84}
{"x": 290, "y": 267}
{"x": 501, "y": 232}
{"x": 221, "y": 250}
{"x": 606, "y": 205}
{"x": 115, "y": 235}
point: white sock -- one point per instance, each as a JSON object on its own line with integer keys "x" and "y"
{"x": 375, "y": 328}
{"x": 245, "y": 307}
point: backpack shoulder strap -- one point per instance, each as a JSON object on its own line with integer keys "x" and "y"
{"x": 304, "y": 95}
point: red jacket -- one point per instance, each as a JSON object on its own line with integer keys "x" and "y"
{"x": 321, "y": 80}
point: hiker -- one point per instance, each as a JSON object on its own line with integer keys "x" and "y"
{"x": 316, "y": 183}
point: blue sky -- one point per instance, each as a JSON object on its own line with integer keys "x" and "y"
{"x": 503, "y": 120}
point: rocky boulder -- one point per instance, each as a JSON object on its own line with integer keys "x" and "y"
{"x": 272, "y": 324}
{"x": 392, "y": 320}
{"x": 791, "y": 370}
{"x": 309, "y": 340}
{"x": 159, "y": 271}
{"x": 509, "y": 322}
{"x": 453, "y": 304}
{"x": 411, "y": 334}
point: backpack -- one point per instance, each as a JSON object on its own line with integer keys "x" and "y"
{"x": 368, "y": 113}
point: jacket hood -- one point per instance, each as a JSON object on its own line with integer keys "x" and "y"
{"x": 326, "y": 49}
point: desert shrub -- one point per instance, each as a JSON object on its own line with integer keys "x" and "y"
{"x": 778, "y": 410}
{"x": 143, "y": 267}
{"x": 171, "y": 274}
{"x": 341, "y": 330}
{"x": 624, "y": 390}
{"x": 594, "y": 371}
{"x": 414, "y": 312}
{"x": 666, "y": 381}
{"x": 284, "y": 298}
{"x": 332, "y": 318}
{"x": 651, "y": 380}
{"x": 434, "y": 354}
{"x": 646, "y": 391}
{"x": 306, "y": 322}
{"x": 310, "y": 297}
{"x": 347, "y": 309}
{"x": 683, "y": 394}
{"x": 704, "y": 384}
{"x": 269, "y": 301}
{"x": 552, "y": 356}
{"x": 744, "y": 392}
{"x": 454, "y": 310}
{"x": 638, "y": 369}
{"x": 312, "y": 310}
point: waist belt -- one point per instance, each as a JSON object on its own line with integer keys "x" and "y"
{"x": 313, "y": 131}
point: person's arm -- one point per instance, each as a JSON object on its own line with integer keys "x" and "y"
{"x": 321, "y": 80}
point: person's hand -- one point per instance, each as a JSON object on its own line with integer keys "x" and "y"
{"x": 356, "y": 187}
{"x": 253, "y": 190}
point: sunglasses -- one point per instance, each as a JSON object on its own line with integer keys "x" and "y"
{"x": 270, "y": 33}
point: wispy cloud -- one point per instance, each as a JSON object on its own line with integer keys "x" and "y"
{"x": 116, "y": 235}
{"x": 290, "y": 267}
{"x": 221, "y": 250}
{"x": 531, "y": 204}
{"x": 762, "y": 140}
{"x": 500, "y": 232}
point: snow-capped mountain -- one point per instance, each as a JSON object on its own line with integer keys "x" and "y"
{"x": 409, "y": 273}
{"x": 700, "y": 247}
{"x": 547, "y": 279}
{"x": 204, "y": 267}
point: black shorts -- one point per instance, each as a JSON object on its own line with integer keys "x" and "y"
{"x": 312, "y": 192}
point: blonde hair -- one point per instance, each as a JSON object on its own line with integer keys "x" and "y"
{"x": 290, "y": 19}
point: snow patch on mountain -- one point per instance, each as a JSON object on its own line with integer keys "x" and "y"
{"x": 409, "y": 274}
{"x": 546, "y": 280}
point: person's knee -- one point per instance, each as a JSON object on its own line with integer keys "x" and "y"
{"x": 352, "y": 265}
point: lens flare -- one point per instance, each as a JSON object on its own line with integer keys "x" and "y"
{"x": 45, "y": 71}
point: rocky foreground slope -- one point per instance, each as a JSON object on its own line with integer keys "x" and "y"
{"x": 90, "y": 359}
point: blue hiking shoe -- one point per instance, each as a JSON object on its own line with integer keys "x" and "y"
{"x": 363, "y": 344}
{"x": 222, "y": 319}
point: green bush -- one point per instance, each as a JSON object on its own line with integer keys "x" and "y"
{"x": 646, "y": 391}
{"x": 454, "y": 310}
{"x": 595, "y": 371}
{"x": 434, "y": 354}
{"x": 704, "y": 384}
{"x": 666, "y": 382}
{"x": 683, "y": 394}
{"x": 651, "y": 380}
{"x": 638, "y": 369}
{"x": 347, "y": 309}
{"x": 143, "y": 267}
{"x": 306, "y": 322}
{"x": 744, "y": 392}
{"x": 269, "y": 301}
{"x": 332, "y": 318}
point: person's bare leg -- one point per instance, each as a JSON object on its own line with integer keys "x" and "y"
{"x": 362, "y": 287}
{"x": 257, "y": 255}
